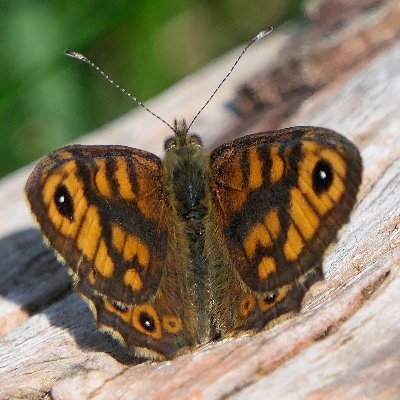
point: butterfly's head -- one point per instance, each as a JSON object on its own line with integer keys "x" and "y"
{"x": 182, "y": 137}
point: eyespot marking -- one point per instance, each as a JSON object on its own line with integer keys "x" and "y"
{"x": 247, "y": 305}
{"x": 145, "y": 320}
{"x": 63, "y": 201}
{"x": 63, "y": 194}
{"x": 172, "y": 324}
{"x": 322, "y": 176}
{"x": 270, "y": 299}
{"x": 335, "y": 160}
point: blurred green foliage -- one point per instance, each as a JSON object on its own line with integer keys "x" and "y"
{"x": 48, "y": 99}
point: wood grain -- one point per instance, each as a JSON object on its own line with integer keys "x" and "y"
{"x": 345, "y": 342}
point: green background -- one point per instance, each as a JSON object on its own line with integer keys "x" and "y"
{"x": 48, "y": 99}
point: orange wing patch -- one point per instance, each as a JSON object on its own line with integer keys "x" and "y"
{"x": 129, "y": 246}
{"x": 294, "y": 243}
{"x": 101, "y": 180}
{"x": 135, "y": 247}
{"x": 255, "y": 166}
{"x": 303, "y": 215}
{"x": 272, "y": 223}
{"x": 118, "y": 238}
{"x": 103, "y": 262}
{"x": 122, "y": 178}
{"x": 262, "y": 234}
{"x": 266, "y": 267}
{"x": 89, "y": 233}
{"x": 258, "y": 235}
{"x": 277, "y": 164}
{"x": 132, "y": 279}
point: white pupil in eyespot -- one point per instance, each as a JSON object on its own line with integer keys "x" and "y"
{"x": 61, "y": 199}
{"x": 322, "y": 174}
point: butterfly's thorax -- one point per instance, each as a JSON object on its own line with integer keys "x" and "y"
{"x": 186, "y": 175}
{"x": 185, "y": 170}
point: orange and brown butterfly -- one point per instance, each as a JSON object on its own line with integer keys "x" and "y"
{"x": 177, "y": 252}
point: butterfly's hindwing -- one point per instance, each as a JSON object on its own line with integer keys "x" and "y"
{"x": 156, "y": 329}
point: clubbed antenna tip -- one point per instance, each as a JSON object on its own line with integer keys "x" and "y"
{"x": 75, "y": 54}
{"x": 263, "y": 33}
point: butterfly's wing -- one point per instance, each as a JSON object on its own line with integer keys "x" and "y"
{"x": 279, "y": 199}
{"x": 104, "y": 211}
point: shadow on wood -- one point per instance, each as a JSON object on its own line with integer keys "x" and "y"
{"x": 38, "y": 283}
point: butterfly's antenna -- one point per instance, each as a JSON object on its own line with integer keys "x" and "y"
{"x": 256, "y": 38}
{"x": 81, "y": 57}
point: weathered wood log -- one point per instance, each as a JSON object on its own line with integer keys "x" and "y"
{"x": 340, "y": 71}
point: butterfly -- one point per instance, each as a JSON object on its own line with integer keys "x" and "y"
{"x": 177, "y": 252}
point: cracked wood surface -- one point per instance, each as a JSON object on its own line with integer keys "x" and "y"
{"x": 340, "y": 71}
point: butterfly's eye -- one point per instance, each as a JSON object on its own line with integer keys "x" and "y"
{"x": 147, "y": 321}
{"x": 322, "y": 176}
{"x": 196, "y": 140}
{"x": 169, "y": 143}
{"x": 64, "y": 202}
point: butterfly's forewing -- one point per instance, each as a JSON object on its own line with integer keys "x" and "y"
{"x": 281, "y": 197}
{"x": 103, "y": 209}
